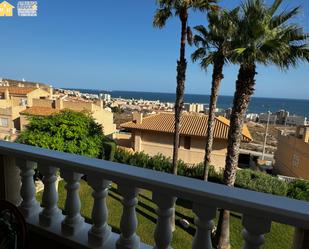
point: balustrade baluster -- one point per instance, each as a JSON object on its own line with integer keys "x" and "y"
{"x": 204, "y": 225}
{"x": 50, "y": 213}
{"x": 100, "y": 232}
{"x": 254, "y": 230}
{"x": 128, "y": 238}
{"x": 29, "y": 205}
{"x": 163, "y": 232}
{"x": 73, "y": 220}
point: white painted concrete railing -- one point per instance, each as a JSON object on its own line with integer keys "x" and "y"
{"x": 258, "y": 209}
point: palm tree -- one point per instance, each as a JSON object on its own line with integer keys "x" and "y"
{"x": 214, "y": 47}
{"x": 180, "y": 8}
{"x": 267, "y": 38}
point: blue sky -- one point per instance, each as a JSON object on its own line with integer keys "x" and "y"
{"x": 111, "y": 45}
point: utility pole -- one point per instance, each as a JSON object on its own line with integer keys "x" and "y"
{"x": 266, "y": 134}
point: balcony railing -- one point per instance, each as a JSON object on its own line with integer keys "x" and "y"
{"x": 258, "y": 210}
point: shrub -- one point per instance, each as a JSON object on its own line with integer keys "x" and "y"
{"x": 67, "y": 131}
{"x": 246, "y": 178}
{"x": 298, "y": 189}
{"x": 160, "y": 163}
{"x": 261, "y": 182}
{"x": 109, "y": 149}
{"x": 122, "y": 156}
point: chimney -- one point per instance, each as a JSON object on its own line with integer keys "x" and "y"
{"x": 302, "y": 132}
{"x": 6, "y": 94}
{"x": 306, "y": 135}
{"x": 101, "y": 103}
{"x": 137, "y": 117}
{"x": 59, "y": 104}
{"x": 51, "y": 92}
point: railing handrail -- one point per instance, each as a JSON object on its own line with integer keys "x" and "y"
{"x": 276, "y": 208}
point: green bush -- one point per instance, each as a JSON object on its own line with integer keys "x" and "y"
{"x": 246, "y": 178}
{"x": 160, "y": 163}
{"x": 67, "y": 131}
{"x": 122, "y": 156}
{"x": 261, "y": 182}
{"x": 298, "y": 189}
{"x": 109, "y": 149}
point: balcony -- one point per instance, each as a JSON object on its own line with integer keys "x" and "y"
{"x": 258, "y": 210}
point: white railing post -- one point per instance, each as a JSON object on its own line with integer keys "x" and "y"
{"x": 163, "y": 232}
{"x": 100, "y": 232}
{"x": 73, "y": 220}
{"x": 29, "y": 205}
{"x": 128, "y": 238}
{"x": 204, "y": 225}
{"x": 50, "y": 213}
{"x": 254, "y": 230}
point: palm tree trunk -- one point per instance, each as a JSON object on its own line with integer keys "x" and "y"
{"x": 217, "y": 76}
{"x": 244, "y": 90}
{"x": 181, "y": 77}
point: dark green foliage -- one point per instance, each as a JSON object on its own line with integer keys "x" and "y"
{"x": 109, "y": 149}
{"x": 261, "y": 182}
{"x": 67, "y": 131}
{"x": 246, "y": 178}
{"x": 122, "y": 156}
{"x": 299, "y": 189}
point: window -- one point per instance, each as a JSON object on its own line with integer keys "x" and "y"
{"x": 187, "y": 143}
{"x": 4, "y": 122}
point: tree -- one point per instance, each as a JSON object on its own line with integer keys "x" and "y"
{"x": 67, "y": 131}
{"x": 180, "y": 8}
{"x": 262, "y": 37}
{"x": 213, "y": 48}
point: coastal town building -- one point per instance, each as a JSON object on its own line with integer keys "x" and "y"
{"x": 292, "y": 155}
{"x": 154, "y": 135}
{"x": 283, "y": 117}
{"x": 106, "y": 97}
{"x": 296, "y": 120}
{"x": 46, "y": 107}
{"x": 263, "y": 118}
{"x": 194, "y": 107}
{"x": 13, "y": 100}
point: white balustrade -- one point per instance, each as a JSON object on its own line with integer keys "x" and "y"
{"x": 254, "y": 230}
{"x": 128, "y": 238}
{"x": 73, "y": 220}
{"x": 29, "y": 205}
{"x": 50, "y": 213}
{"x": 258, "y": 209}
{"x": 100, "y": 232}
{"x": 204, "y": 225}
{"x": 163, "y": 232}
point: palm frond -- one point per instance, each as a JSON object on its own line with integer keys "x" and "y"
{"x": 161, "y": 17}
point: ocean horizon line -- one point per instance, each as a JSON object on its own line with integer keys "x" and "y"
{"x": 199, "y": 94}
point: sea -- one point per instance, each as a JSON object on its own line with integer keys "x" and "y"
{"x": 257, "y": 104}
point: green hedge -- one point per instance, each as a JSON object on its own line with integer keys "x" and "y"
{"x": 109, "y": 149}
{"x": 245, "y": 178}
{"x": 298, "y": 189}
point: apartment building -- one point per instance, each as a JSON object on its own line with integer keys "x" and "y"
{"x": 154, "y": 134}
{"x": 194, "y": 108}
{"x": 292, "y": 155}
{"x": 45, "y": 107}
{"x": 13, "y": 100}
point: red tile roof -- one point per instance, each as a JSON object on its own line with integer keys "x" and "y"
{"x": 39, "y": 111}
{"x": 190, "y": 125}
{"x": 17, "y": 90}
